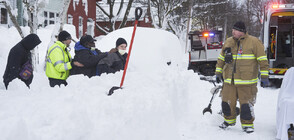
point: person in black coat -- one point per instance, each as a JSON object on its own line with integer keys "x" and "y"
{"x": 18, "y": 56}
{"x": 88, "y": 55}
{"x": 114, "y": 61}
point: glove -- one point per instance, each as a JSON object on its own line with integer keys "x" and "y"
{"x": 219, "y": 78}
{"x": 264, "y": 82}
{"x": 228, "y": 56}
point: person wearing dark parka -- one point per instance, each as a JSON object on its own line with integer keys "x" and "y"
{"x": 18, "y": 56}
{"x": 87, "y": 54}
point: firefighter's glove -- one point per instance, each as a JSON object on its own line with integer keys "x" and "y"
{"x": 219, "y": 78}
{"x": 264, "y": 82}
{"x": 228, "y": 55}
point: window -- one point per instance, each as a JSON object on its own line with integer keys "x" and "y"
{"x": 3, "y": 16}
{"x": 51, "y": 15}
{"x": 49, "y": 18}
{"x": 80, "y": 27}
{"x": 45, "y": 23}
{"x": 69, "y": 19}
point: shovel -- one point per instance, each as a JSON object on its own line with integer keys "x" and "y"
{"x": 138, "y": 13}
{"x": 214, "y": 91}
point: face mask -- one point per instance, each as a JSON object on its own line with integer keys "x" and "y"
{"x": 122, "y": 52}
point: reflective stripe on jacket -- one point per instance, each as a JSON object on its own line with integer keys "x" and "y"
{"x": 58, "y": 61}
{"x": 249, "y": 61}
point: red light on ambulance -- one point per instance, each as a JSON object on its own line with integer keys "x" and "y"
{"x": 275, "y": 6}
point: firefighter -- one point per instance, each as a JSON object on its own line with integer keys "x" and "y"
{"x": 58, "y": 62}
{"x": 238, "y": 64}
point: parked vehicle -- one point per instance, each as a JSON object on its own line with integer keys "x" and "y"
{"x": 204, "y": 51}
{"x": 278, "y": 40}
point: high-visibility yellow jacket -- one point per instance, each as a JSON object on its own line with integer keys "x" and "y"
{"x": 58, "y": 61}
{"x": 250, "y": 58}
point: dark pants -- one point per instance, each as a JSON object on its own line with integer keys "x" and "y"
{"x": 54, "y": 82}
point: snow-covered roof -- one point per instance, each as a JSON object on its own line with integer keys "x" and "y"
{"x": 54, "y": 6}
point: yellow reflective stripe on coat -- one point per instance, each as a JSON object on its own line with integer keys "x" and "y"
{"x": 230, "y": 121}
{"x": 241, "y": 82}
{"x": 221, "y": 57}
{"x": 264, "y": 72}
{"x": 262, "y": 58}
{"x": 247, "y": 125}
{"x": 220, "y": 70}
{"x": 244, "y": 56}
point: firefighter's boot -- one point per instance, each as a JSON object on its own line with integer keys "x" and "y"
{"x": 248, "y": 128}
{"x": 225, "y": 125}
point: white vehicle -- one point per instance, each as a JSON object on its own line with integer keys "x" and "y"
{"x": 278, "y": 39}
{"x": 204, "y": 51}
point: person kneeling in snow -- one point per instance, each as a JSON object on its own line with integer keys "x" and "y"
{"x": 88, "y": 55}
{"x": 19, "y": 62}
{"x": 114, "y": 61}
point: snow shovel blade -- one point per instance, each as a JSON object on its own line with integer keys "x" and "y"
{"x": 207, "y": 109}
{"x": 112, "y": 90}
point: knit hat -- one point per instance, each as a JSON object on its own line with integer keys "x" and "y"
{"x": 86, "y": 39}
{"x": 120, "y": 41}
{"x": 240, "y": 26}
{"x": 64, "y": 35}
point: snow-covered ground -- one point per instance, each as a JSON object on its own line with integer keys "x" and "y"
{"x": 158, "y": 102}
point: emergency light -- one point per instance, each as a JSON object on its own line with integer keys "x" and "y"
{"x": 205, "y": 34}
{"x": 208, "y": 34}
{"x": 275, "y": 6}
{"x": 211, "y": 34}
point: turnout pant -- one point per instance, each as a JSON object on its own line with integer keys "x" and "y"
{"x": 246, "y": 94}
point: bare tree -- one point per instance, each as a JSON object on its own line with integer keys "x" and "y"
{"x": 33, "y": 8}
{"x": 112, "y": 16}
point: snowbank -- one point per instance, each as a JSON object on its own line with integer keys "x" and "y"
{"x": 158, "y": 102}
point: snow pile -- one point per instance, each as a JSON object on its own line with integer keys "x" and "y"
{"x": 158, "y": 101}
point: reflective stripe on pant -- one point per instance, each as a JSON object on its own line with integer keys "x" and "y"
{"x": 246, "y": 95}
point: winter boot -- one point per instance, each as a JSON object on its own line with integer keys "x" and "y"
{"x": 248, "y": 129}
{"x": 225, "y": 125}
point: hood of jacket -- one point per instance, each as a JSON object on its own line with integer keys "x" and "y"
{"x": 79, "y": 47}
{"x": 30, "y": 41}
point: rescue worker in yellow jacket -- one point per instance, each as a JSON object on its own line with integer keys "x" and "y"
{"x": 238, "y": 64}
{"x": 59, "y": 61}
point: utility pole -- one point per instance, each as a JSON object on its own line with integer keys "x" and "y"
{"x": 188, "y": 24}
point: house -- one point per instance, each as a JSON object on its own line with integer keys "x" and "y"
{"x": 82, "y": 14}
{"x": 4, "y": 17}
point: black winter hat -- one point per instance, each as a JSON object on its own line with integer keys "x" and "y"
{"x": 86, "y": 39}
{"x": 240, "y": 26}
{"x": 64, "y": 35}
{"x": 120, "y": 41}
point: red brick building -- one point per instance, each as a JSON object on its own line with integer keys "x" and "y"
{"x": 82, "y": 14}
{"x": 102, "y": 20}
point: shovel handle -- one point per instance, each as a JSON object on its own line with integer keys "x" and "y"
{"x": 138, "y": 13}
